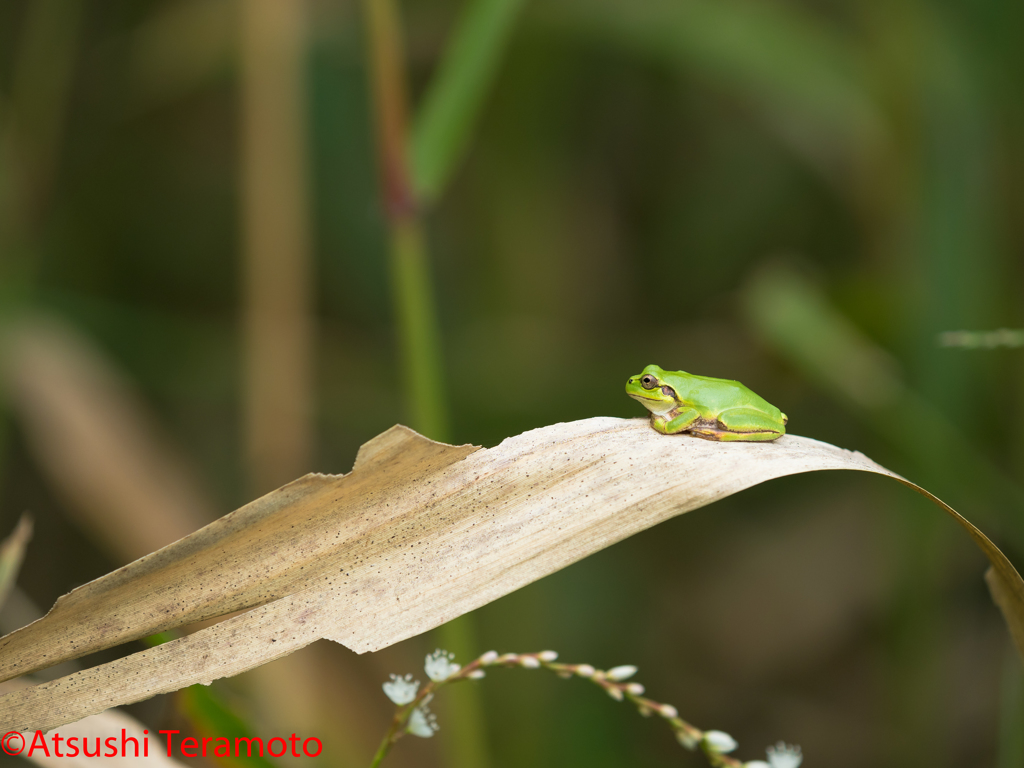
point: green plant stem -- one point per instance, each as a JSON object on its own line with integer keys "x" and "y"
{"x": 416, "y": 318}
{"x": 419, "y": 337}
{"x": 390, "y": 737}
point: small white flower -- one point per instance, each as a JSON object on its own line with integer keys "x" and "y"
{"x": 422, "y": 723}
{"x": 719, "y": 741}
{"x": 585, "y": 670}
{"x": 756, "y": 764}
{"x": 624, "y": 672}
{"x": 489, "y": 658}
{"x": 529, "y": 662}
{"x": 784, "y": 755}
{"x": 668, "y": 711}
{"x": 401, "y": 690}
{"x": 547, "y": 655}
{"x": 635, "y": 688}
{"x": 439, "y": 665}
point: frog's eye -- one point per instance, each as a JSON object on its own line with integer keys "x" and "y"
{"x": 648, "y": 382}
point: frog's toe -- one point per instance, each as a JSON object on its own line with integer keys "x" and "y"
{"x": 748, "y": 437}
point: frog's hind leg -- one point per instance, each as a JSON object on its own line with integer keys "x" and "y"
{"x": 746, "y": 424}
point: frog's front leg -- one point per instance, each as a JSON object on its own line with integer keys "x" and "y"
{"x": 680, "y": 421}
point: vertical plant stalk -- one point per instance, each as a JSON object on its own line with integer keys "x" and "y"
{"x": 277, "y": 287}
{"x": 32, "y": 129}
{"x": 418, "y": 327}
{"x": 277, "y": 320}
{"x": 44, "y": 69}
{"x": 419, "y": 340}
{"x": 416, "y": 315}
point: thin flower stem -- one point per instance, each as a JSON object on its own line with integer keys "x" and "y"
{"x": 382, "y": 750}
{"x": 385, "y": 745}
{"x": 688, "y": 735}
{"x": 398, "y": 722}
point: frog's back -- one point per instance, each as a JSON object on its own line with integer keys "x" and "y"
{"x": 715, "y": 395}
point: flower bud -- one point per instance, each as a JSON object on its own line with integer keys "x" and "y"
{"x": 621, "y": 673}
{"x": 719, "y": 741}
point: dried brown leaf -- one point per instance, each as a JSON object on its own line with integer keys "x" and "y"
{"x": 417, "y": 534}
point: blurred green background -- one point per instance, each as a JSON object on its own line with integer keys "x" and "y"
{"x": 238, "y": 238}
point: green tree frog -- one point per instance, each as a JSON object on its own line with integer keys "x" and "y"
{"x": 715, "y": 409}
